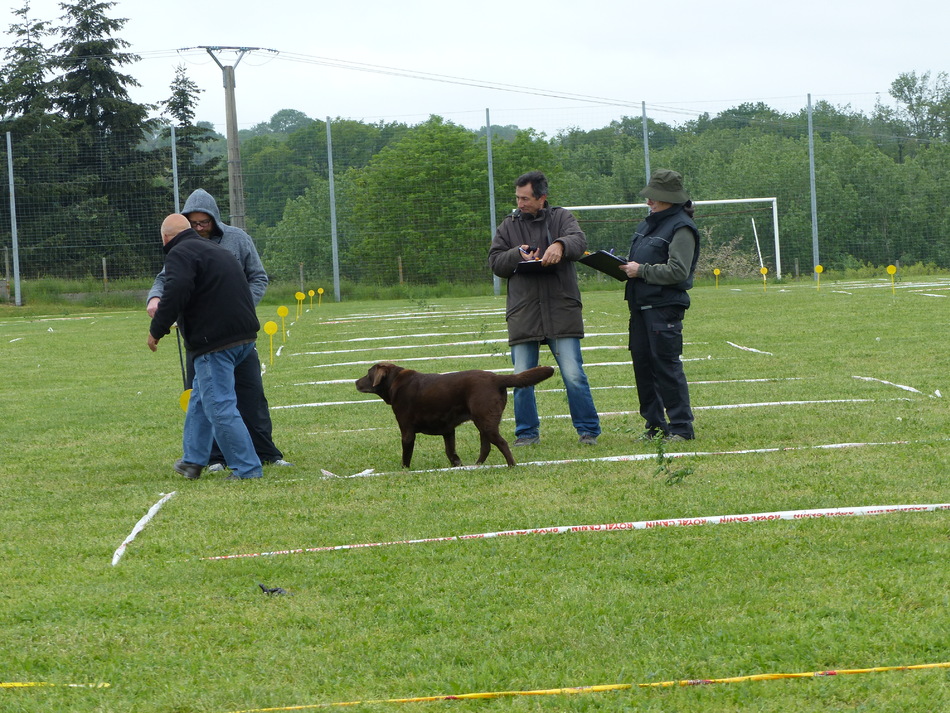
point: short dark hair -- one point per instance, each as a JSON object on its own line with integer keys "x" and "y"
{"x": 538, "y": 181}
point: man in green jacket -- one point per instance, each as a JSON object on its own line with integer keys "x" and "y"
{"x": 660, "y": 268}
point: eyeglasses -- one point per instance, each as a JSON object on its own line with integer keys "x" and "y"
{"x": 200, "y": 223}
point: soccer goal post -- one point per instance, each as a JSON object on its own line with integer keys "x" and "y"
{"x": 774, "y": 211}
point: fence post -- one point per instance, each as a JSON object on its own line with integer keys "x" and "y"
{"x": 175, "y": 170}
{"x": 496, "y": 281}
{"x": 646, "y": 140}
{"x": 18, "y": 299}
{"x": 815, "y": 260}
{"x": 333, "y": 234}
{"x": 105, "y": 276}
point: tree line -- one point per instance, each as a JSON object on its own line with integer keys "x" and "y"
{"x": 412, "y": 201}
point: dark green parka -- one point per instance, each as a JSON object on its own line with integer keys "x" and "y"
{"x": 543, "y": 304}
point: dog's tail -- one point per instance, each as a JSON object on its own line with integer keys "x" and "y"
{"x": 529, "y": 377}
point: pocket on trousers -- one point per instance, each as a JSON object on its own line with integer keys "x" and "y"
{"x": 671, "y": 313}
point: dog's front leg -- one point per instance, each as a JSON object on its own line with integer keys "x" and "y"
{"x": 408, "y": 443}
{"x": 450, "y": 449}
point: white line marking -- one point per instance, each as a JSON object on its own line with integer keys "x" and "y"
{"x": 139, "y": 526}
{"x": 889, "y": 383}
{"x": 749, "y": 349}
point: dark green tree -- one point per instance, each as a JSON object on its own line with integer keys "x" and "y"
{"x": 302, "y": 236}
{"x": 196, "y": 167}
{"x": 284, "y": 122}
{"x": 91, "y": 88}
{"x": 422, "y": 207}
{"x": 925, "y": 107}
{"x": 272, "y": 176}
{"x": 116, "y": 201}
{"x": 24, "y": 79}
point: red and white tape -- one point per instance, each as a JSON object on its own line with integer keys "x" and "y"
{"x": 620, "y": 526}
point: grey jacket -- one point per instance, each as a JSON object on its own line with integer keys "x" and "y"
{"x": 233, "y": 239}
{"x": 547, "y": 304}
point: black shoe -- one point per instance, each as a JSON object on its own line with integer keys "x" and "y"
{"x": 192, "y": 471}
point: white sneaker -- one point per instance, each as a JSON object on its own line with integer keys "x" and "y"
{"x": 217, "y": 468}
{"x": 282, "y": 462}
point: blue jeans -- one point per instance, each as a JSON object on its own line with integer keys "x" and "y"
{"x": 213, "y": 414}
{"x": 567, "y": 354}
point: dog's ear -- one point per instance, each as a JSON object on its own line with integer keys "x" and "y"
{"x": 379, "y": 373}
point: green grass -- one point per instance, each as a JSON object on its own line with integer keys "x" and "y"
{"x": 91, "y": 426}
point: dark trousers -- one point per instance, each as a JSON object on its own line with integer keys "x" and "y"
{"x": 656, "y": 344}
{"x": 253, "y": 407}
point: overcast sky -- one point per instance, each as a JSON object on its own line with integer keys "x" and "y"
{"x": 529, "y": 63}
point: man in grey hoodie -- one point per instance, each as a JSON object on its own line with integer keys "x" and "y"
{"x": 202, "y": 212}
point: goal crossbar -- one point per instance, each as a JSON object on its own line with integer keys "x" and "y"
{"x": 773, "y": 201}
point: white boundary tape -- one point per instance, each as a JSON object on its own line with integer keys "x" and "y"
{"x": 615, "y": 413}
{"x": 139, "y": 526}
{"x": 889, "y": 383}
{"x": 748, "y": 349}
{"x": 622, "y": 526}
{"x": 622, "y": 459}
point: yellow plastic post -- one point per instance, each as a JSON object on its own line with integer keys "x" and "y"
{"x": 311, "y": 293}
{"x": 270, "y": 327}
{"x": 299, "y": 297}
{"x": 892, "y": 270}
{"x": 283, "y": 312}
{"x": 818, "y": 270}
{"x": 320, "y": 298}
{"x": 716, "y": 273}
{"x": 764, "y": 271}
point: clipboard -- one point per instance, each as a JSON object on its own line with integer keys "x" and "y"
{"x": 533, "y": 267}
{"x": 607, "y": 263}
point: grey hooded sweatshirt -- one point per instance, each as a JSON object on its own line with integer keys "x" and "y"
{"x": 235, "y": 240}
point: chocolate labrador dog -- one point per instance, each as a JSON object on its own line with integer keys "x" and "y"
{"x": 436, "y": 403}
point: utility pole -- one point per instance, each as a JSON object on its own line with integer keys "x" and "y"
{"x": 235, "y": 177}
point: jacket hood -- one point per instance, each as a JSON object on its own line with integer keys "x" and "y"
{"x": 201, "y": 200}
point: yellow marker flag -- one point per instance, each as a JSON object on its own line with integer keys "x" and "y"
{"x": 270, "y": 327}
{"x": 282, "y": 312}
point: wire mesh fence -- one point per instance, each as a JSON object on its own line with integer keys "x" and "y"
{"x": 418, "y": 204}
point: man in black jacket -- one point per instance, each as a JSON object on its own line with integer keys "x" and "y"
{"x": 202, "y": 211}
{"x": 207, "y": 293}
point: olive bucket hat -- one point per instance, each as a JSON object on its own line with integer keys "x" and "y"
{"x": 665, "y": 186}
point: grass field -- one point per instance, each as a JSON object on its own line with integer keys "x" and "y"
{"x": 91, "y": 426}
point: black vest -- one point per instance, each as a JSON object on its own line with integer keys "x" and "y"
{"x": 651, "y": 245}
